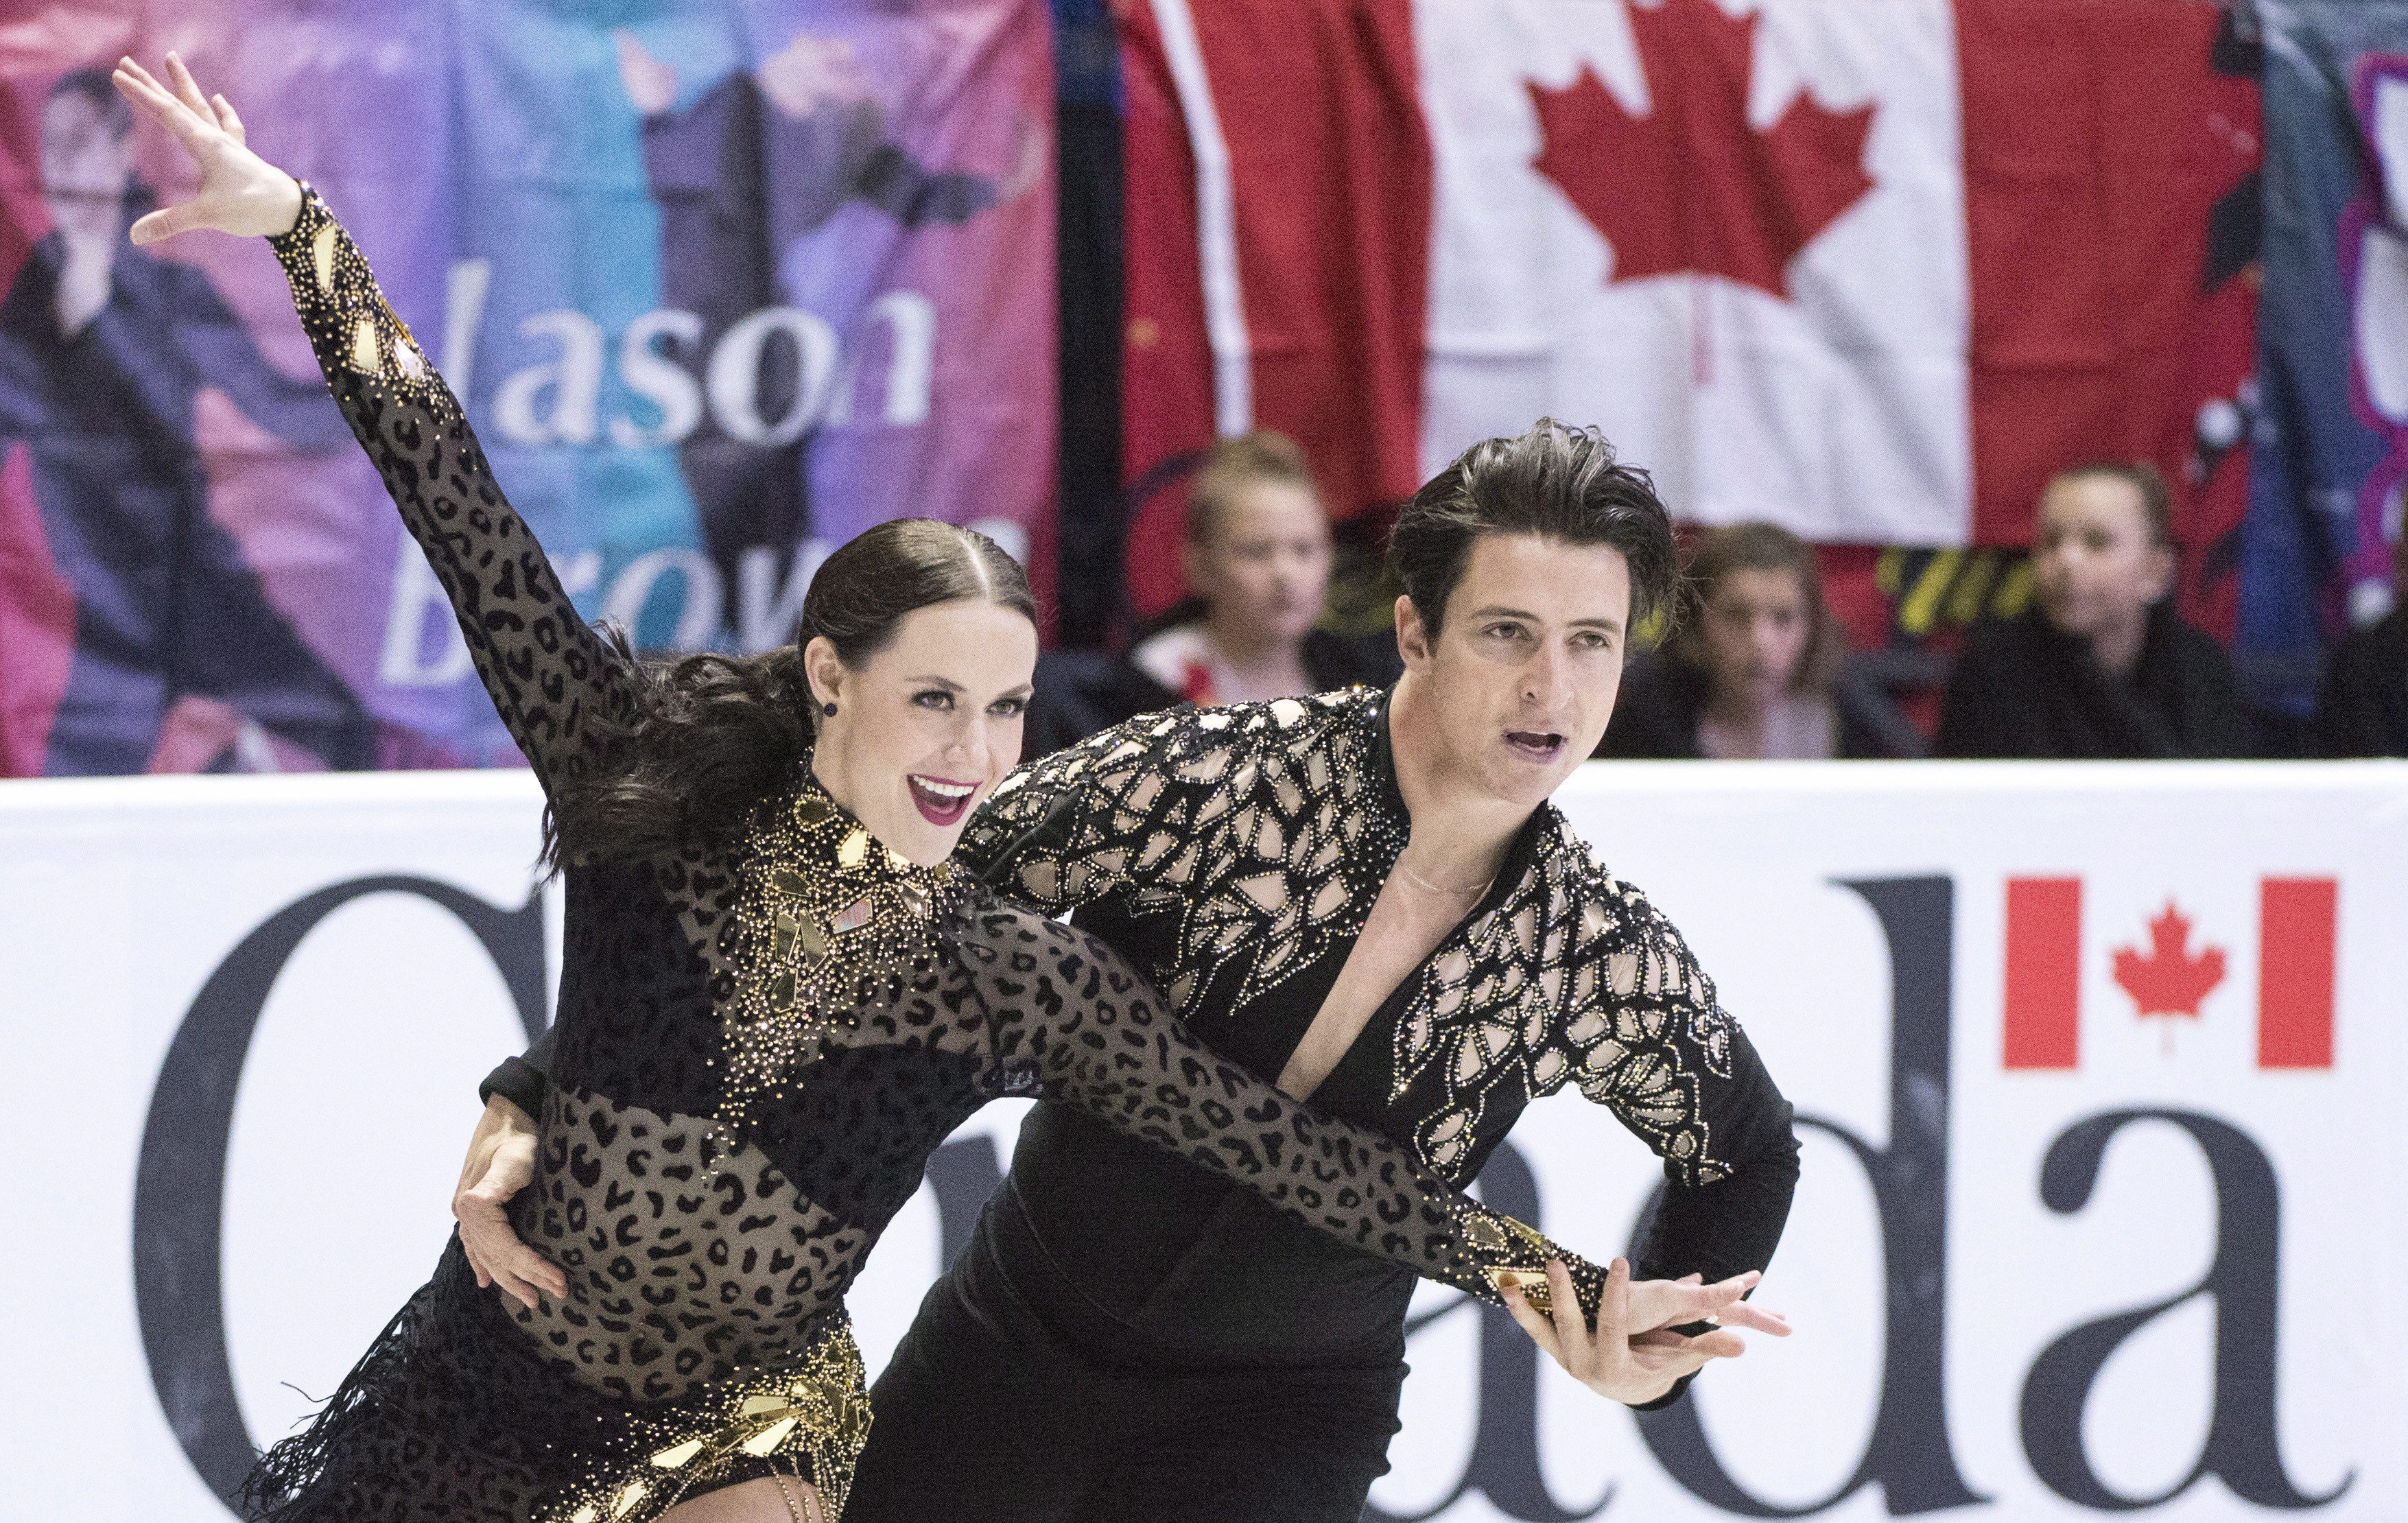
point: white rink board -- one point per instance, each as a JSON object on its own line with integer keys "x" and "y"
{"x": 119, "y": 900}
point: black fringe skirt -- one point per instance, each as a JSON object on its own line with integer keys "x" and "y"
{"x": 455, "y": 1415}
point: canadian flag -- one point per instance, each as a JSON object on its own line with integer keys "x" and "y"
{"x": 2165, "y": 976}
{"x": 1872, "y": 269}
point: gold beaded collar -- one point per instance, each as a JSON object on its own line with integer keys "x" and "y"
{"x": 815, "y": 853}
{"x": 827, "y": 918}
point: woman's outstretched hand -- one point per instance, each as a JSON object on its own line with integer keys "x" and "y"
{"x": 241, "y": 193}
{"x": 1634, "y": 1356}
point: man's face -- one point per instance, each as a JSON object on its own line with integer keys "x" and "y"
{"x": 85, "y": 164}
{"x": 1520, "y": 677}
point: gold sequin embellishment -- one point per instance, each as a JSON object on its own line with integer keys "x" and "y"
{"x": 336, "y": 295}
{"x": 808, "y": 1423}
{"x": 827, "y": 919}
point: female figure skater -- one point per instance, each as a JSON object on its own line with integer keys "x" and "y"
{"x": 777, "y": 996}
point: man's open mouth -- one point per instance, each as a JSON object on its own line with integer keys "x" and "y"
{"x": 941, "y": 800}
{"x": 1538, "y": 745}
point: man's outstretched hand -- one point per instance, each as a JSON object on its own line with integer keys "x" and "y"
{"x": 501, "y": 1163}
{"x": 1634, "y": 1356}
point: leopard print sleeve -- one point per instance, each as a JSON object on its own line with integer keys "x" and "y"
{"x": 554, "y": 682}
{"x": 1072, "y": 1021}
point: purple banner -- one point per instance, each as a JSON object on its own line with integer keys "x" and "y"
{"x": 721, "y": 285}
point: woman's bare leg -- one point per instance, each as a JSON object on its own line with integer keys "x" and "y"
{"x": 769, "y": 1500}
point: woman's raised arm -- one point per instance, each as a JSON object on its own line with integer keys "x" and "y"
{"x": 558, "y": 687}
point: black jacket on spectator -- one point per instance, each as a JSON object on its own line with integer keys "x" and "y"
{"x": 1656, "y": 715}
{"x": 2364, "y": 709}
{"x": 1079, "y": 693}
{"x": 2024, "y": 689}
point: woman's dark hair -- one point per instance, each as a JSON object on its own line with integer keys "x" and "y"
{"x": 1557, "y": 481}
{"x": 2156, "y": 498}
{"x": 715, "y": 735}
{"x": 1760, "y": 547}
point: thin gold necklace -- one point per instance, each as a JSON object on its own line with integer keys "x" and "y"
{"x": 1425, "y": 884}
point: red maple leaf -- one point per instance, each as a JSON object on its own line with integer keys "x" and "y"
{"x": 1691, "y": 188}
{"x": 2169, "y": 980}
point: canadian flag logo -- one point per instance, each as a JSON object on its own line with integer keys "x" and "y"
{"x": 2166, "y": 969}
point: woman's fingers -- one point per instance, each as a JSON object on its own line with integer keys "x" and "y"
{"x": 1613, "y": 1306}
{"x": 1660, "y": 1303}
{"x": 149, "y": 97}
{"x": 199, "y": 132}
{"x": 164, "y": 224}
{"x": 161, "y": 99}
{"x": 1742, "y": 1314}
{"x": 226, "y": 119}
{"x": 1718, "y": 1345}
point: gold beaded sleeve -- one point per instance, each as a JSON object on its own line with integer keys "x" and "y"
{"x": 555, "y": 684}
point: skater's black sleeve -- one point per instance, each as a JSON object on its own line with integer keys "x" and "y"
{"x": 523, "y": 1080}
{"x": 560, "y": 690}
{"x": 1645, "y": 1035}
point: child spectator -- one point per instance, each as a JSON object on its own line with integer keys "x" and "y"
{"x": 1257, "y": 561}
{"x": 1257, "y": 558}
{"x": 1757, "y": 667}
{"x": 2100, "y": 666}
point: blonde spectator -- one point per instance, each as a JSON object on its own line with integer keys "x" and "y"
{"x": 1257, "y": 559}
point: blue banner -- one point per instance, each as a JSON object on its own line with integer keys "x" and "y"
{"x": 2332, "y": 433}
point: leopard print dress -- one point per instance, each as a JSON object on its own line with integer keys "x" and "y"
{"x": 760, "y": 1043}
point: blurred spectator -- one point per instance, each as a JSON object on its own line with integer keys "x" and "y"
{"x": 1758, "y": 667}
{"x": 1257, "y": 561}
{"x": 1256, "y": 558}
{"x": 2100, "y": 666}
{"x": 2364, "y": 707}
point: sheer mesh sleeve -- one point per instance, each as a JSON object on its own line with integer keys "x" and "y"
{"x": 1073, "y": 1021}
{"x": 553, "y": 680}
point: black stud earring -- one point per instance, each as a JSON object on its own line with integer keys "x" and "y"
{"x": 828, "y": 709}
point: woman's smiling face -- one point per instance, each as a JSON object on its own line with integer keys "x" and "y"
{"x": 927, "y": 724}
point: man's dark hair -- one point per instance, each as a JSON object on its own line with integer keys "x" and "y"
{"x": 1557, "y": 481}
{"x": 93, "y": 86}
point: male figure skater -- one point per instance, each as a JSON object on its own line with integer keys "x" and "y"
{"x": 756, "y": 181}
{"x": 1369, "y": 897}
{"x": 104, "y": 349}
